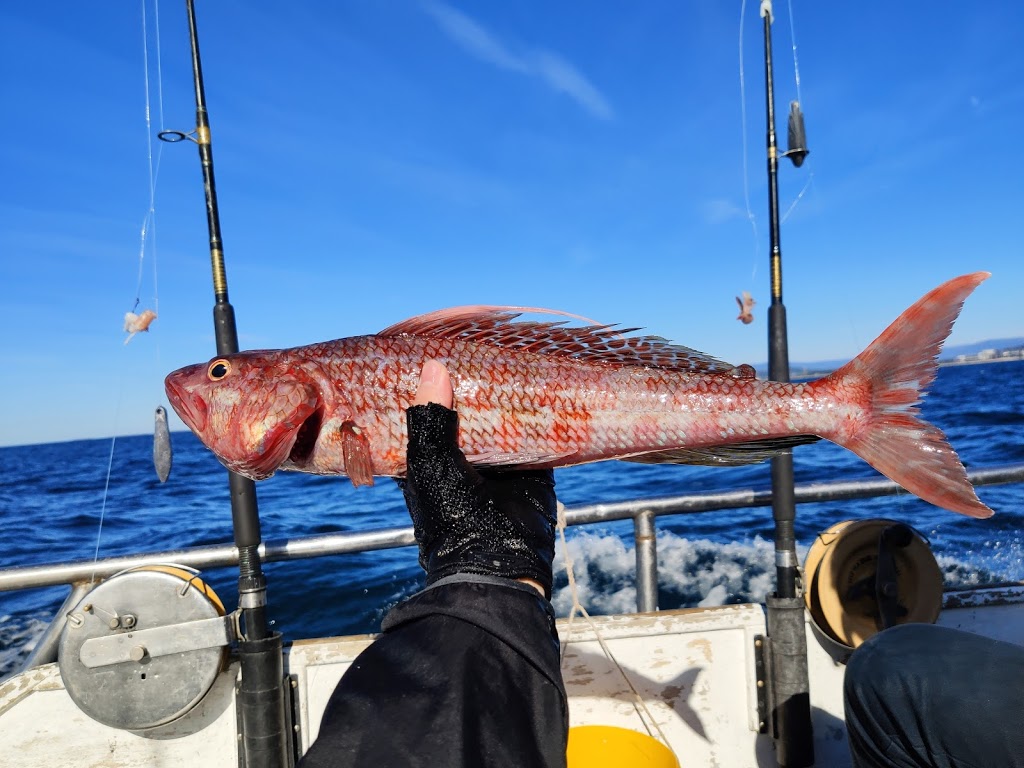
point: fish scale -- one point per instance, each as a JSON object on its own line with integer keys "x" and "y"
{"x": 546, "y": 394}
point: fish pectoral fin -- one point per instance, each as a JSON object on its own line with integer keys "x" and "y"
{"x": 516, "y": 460}
{"x": 734, "y": 455}
{"x": 355, "y": 449}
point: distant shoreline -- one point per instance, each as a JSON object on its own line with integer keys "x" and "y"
{"x": 807, "y": 374}
{"x": 975, "y": 360}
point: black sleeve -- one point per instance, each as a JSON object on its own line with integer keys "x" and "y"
{"x": 466, "y": 674}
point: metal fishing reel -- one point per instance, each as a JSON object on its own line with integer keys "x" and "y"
{"x": 144, "y": 647}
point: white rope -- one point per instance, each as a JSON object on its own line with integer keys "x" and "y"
{"x": 577, "y": 607}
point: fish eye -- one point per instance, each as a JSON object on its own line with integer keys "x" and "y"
{"x": 218, "y": 370}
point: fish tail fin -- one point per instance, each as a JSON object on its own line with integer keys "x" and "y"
{"x": 890, "y": 377}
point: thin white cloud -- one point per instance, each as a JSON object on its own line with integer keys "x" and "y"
{"x": 473, "y": 38}
{"x": 718, "y": 210}
{"x": 557, "y": 73}
{"x": 564, "y": 77}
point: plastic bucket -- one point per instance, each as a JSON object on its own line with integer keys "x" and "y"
{"x": 606, "y": 746}
{"x": 839, "y": 574}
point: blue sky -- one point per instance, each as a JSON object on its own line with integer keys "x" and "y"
{"x": 376, "y": 160}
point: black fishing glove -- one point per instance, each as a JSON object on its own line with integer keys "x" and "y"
{"x": 495, "y": 523}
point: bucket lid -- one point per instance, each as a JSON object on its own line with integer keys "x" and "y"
{"x": 607, "y": 746}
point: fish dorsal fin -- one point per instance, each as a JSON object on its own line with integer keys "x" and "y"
{"x": 591, "y": 343}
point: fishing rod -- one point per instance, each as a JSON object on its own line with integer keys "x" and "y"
{"x": 791, "y": 715}
{"x": 261, "y": 692}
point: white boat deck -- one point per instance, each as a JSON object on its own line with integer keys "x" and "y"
{"x": 694, "y": 670}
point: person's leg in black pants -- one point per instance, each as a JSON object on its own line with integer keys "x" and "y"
{"x": 921, "y": 695}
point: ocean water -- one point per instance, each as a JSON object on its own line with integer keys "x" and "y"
{"x": 52, "y": 498}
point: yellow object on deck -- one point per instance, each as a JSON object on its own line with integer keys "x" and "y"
{"x": 606, "y": 746}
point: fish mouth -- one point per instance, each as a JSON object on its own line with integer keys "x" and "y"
{"x": 188, "y": 406}
{"x": 306, "y": 438}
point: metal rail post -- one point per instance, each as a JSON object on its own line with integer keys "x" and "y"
{"x": 645, "y": 541}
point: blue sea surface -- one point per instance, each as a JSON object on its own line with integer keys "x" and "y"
{"x": 52, "y": 498}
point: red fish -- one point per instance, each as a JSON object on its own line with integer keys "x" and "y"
{"x": 544, "y": 394}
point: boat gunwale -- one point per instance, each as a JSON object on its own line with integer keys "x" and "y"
{"x": 17, "y": 578}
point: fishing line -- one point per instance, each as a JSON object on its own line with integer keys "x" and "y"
{"x": 148, "y": 231}
{"x": 810, "y": 175}
{"x": 106, "y": 483}
{"x": 160, "y": 152}
{"x": 743, "y": 118}
{"x": 149, "y": 220}
{"x": 135, "y": 323}
{"x": 796, "y": 64}
{"x": 577, "y": 607}
{"x": 800, "y": 100}
{"x": 807, "y": 184}
{"x": 103, "y": 506}
{"x": 746, "y": 166}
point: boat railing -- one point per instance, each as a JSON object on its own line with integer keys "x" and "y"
{"x": 79, "y": 574}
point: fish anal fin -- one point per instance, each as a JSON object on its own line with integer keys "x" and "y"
{"x": 516, "y": 460}
{"x": 734, "y": 455}
{"x": 608, "y": 344}
{"x": 355, "y": 449}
